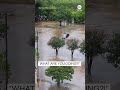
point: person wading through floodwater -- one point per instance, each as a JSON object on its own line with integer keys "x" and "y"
{"x": 67, "y": 35}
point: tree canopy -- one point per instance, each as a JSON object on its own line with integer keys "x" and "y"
{"x": 65, "y": 9}
{"x": 113, "y": 49}
{"x": 60, "y": 73}
{"x": 56, "y": 43}
{"x": 72, "y": 45}
{"x": 2, "y": 30}
{"x": 92, "y": 46}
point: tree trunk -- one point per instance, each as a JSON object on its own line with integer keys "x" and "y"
{"x": 72, "y": 52}
{"x": 89, "y": 69}
{"x": 60, "y": 23}
{"x": 56, "y": 52}
{"x": 89, "y": 63}
{"x": 58, "y": 83}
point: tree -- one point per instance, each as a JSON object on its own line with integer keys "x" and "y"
{"x": 61, "y": 10}
{"x": 60, "y": 73}
{"x": 72, "y": 44}
{"x": 56, "y": 43}
{"x": 92, "y": 46}
{"x": 62, "y": 14}
{"x": 2, "y": 30}
{"x": 79, "y": 16}
{"x": 3, "y": 64}
{"x": 113, "y": 50}
{"x": 82, "y": 47}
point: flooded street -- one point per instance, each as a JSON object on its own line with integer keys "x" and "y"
{"x": 48, "y": 54}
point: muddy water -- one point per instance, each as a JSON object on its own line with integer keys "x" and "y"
{"x": 47, "y": 53}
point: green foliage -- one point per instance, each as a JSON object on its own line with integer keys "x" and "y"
{"x": 37, "y": 5}
{"x": 62, "y": 14}
{"x": 37, "y": 56}
{"x": 79, "y": 17}
{"x": 113, "y": 49}
{"x": 72, "y": 44}
{"x": 2, "y": 30}
{"x": 94, "y": 43}
{"x": 3, "y": 66}
{"x": 2, "y": 62}
{"x": 60, "y": 73}
{"x": 82, "y": 47}
{"x": 56, "y": 43}
{"x": 62, "y": 10}
{"x": 58, "y": 3}
{"x": 92, "y": 46}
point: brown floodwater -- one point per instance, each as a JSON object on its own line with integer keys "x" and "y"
{"x": 47, "y": 54}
